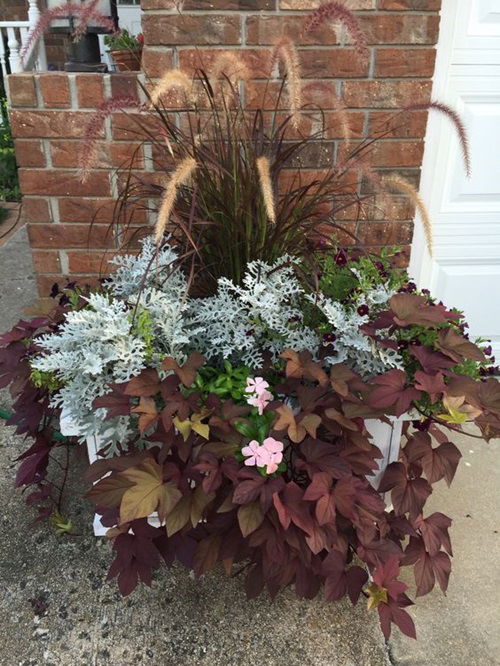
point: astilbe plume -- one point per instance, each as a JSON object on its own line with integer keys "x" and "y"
{"x": 336, "y": 11}
{"x": 84, "y": 13}
{"x": 174, "y": 79}
{"x": 264, "y": 170}
{"x": 88, "y": 152}
{"x": 284, "y": 51}
{"x": 455, "y": 119}
{"x": 179, "y": 177}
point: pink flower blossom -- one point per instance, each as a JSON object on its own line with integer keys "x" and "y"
{"x": 257, "y": 385}
{"x": 260, "y": 400}
{"x": 253, "y": 451}
{"x": 272, "y": 454}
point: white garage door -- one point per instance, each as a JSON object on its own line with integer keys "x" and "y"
{"x": 465, "y": 268}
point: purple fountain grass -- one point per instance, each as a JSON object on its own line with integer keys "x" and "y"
{"x": 88, "y": 152}
{"x": 336, "y": 11}
{"x": 284, "y": 51}
{"x": 85, "y": 13}
{"x": 455, "y": 119}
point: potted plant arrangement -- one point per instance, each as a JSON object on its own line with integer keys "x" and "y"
{"x": 228, "y": 376}
{"x": 126, "y": 50}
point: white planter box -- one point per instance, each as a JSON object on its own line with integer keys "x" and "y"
{"x": 386, "y": 436}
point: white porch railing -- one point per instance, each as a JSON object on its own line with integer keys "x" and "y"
{"x": 13, "y": 35}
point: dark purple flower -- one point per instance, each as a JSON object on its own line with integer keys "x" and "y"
{"x": 340, "y": 258}
{"x": 329, "y": 337}
{"x": 363, "y": 310}
{"x": 488, "y": 350}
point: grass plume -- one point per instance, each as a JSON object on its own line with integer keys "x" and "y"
{"x": 284, "y": 51}
{"x": 174, "y": 79}
{"x": 179, "y": 177}
{"x": 336, "y": 11}
{"x": 456, "y": 120}
{"x": 93, "y": 129}
{"x": 399, "y": 183}
{"x": 231, "y": 66}
{"x": 264, "y": 169}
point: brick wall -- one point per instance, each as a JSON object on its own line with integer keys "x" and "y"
{"x": 49, "y": 113}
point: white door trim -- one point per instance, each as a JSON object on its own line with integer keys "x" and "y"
{"x": 421, "y": 268}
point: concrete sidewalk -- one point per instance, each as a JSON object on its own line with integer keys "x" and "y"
{"x": 182, "y": 622}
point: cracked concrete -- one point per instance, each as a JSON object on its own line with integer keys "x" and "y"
{"x": 56, "y": 609}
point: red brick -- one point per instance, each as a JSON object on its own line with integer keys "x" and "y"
{"x": 264, "y": 30}
{"x": 55, "y": 90}
{"x": 385, "y": 233}
{"x": 320, "y": 94}
{"x": 257, "y": 61}
{"x": 156, "y": 61}
{"x": 63, "y": 183}
{"x": 50, "y": 124}
{"x": 405, "y": 62}
{"x": 408, "y": 124}
{"x": 35, "y": 209}
{"x": 208, "y": 29}
{"x": 46, "y": 261}
{"x": 91, "y": 262}
{"x": 22, "y": 90}
{"x": 133, "y": 126}
{"x": 415, "y": 5}
{"x": 29, "y": 153}
{"x": 124, "y": 84}
{"x": 386, "y": 94}
{"x": 89, "y": 90}
{"x": 212, "y": 5}
{"x": 67, "y": 154}
{"x": 333, "y": 63}
{"x": 44, "y": 283}
{"x": 95, "y": 211}
{"x": 400, "y": 29}
{"x": 397, "y": 153}
{"x": 309, "y": 5}
{"x": 66, "y": 236}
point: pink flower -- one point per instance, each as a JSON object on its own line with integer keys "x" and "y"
{"x": 253, "y": 451}
{"x": 260, "y": 400}
{"x": 272, "y": 454}
{"x": 257, "y": 385}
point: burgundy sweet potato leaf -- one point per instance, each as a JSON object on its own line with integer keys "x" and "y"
{"x": 187, "y": 372}
{"x": 430, "y": 360}
{"x": 457, "y": 347}
{"x": 146, "y": 384}
{"x": 412, "y": 497}
{"x": 300, "y": 365}
{"x": 432, "y": 384}
{"x": 392, "y": 392}
{"x": 441, "y": 462}
{"x": 116, "y": 403}
{"x": 250, "y": 517}
{"x": 411, "y": 309}
{"x": 206, "y": 554}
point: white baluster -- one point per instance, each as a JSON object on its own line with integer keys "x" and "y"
{"x": 3, "y": 70}
{"x": 13, "y": 44}
{"x": 33, "y": 17}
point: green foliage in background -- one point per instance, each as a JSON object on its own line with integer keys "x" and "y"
{"x": 9, "y": 185}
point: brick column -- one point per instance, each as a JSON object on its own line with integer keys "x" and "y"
{"x": 68, "y": 221}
